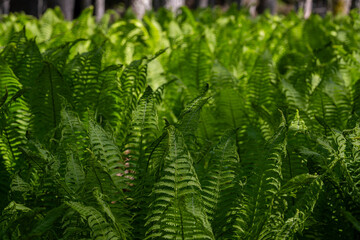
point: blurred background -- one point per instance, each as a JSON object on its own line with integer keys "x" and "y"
{"x": 72, "y": 8}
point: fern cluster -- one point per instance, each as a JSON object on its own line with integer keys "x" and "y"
{"x": 204, "y": 125}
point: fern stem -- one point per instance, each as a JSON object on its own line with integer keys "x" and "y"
{"x": 52, "y": 95}
{"x": 182, "y": 225}
{"x": 323, "y": 113}
{"x": 97, "y": 178}
{"x": 11, "y": 149}
{"x": 290, "y": 171}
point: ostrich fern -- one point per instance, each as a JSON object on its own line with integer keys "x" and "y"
{"x": 252, "y": 134}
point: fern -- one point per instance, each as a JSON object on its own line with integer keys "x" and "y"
{"x": 15, "y": 118}
{"x": 218, "y": 187}
{"x": 82, "y": 157}
{"x": 261, "y": 190}
{"x": 132, "y": 84}
{"x": 177, "y": 210}
{"x": 81, "y": 74}
{"x": 106, "y": 153}
{"x": 100, "y": 228}
{"x": 304, "y": 208}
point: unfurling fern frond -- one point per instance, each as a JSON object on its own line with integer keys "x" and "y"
{"x": 176, "y": 209}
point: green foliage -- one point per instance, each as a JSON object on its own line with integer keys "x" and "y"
{"x": 201, "y": 125}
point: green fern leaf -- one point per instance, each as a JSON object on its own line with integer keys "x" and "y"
{"x": 100, "y": 228}
{"x": 107, "y": 153}
{"x": 304, "y": 208}
{"x": 177, "y": 211}
{"x": 15, "y": 117}
{"x": 262, "y": 188}
{"x": 218, "y": 188}
{"x": 75, "y": 176}
{"x": 119, "y": 221}
{"x": 81, "y": 73}
{"x": 132, "y": 85}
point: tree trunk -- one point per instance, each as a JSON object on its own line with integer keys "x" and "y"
{"x": 24, "y": 5}
{"x": 174, "y": 5}
{"x": 203, "y": 3}
{"x": 40, "y": 7}
{"x": 212, "y": 3}
{"x": 266, "y": 4}
{"x": 5, "y": 7}
{"x": 99, "y": 9}
{"x": 67, "y": 7}
{"x": 355, "y": 4}
{"x": 341, "y": 7}
{"x": 140, "y": 7}
{"x": 307, "y": 8}
{"x": 85, "y": 4}
{"x": 156, "y": 4}
{"x": 238, "y": 4}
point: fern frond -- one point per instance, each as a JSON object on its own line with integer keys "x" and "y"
{"x": 100, "y": 228}
{"x": 261, "y": 81}
{"x": 218, "y": 188}
{"x": 106, "y": 105}
{"x": 30, "y": 65}
{"x": 12, "y": 213}
{"x": 45, "y": 103}
{"x": 192, "y": 64}
{"x": 356, "y": 97}
{"x": 15, "y": 117}
{"x": 144, "y": 131}
{"x": 81, "y": 73}
{"x": 72, "y": 131}
{"x": 158, "y": 156}
{"x": 74, "y": 176}
{"x": 107, "y": 153}
{"x": 132, "y": 84}
{"x": 262, "y": 188}
{"x": 4, "y": 184}
{"x": 73, "y": 226}
{"x": 303, "y": 210}
{"x": 48, "y": 222}
{"x": 59, "y": 55}
{"x": 14, "y": 50}
{"x": 119, "y": 221}
{"x": 177, "y": 211}
{"x": 189, "y": 117}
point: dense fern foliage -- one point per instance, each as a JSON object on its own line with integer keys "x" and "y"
{"x": 204, "y": 125}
